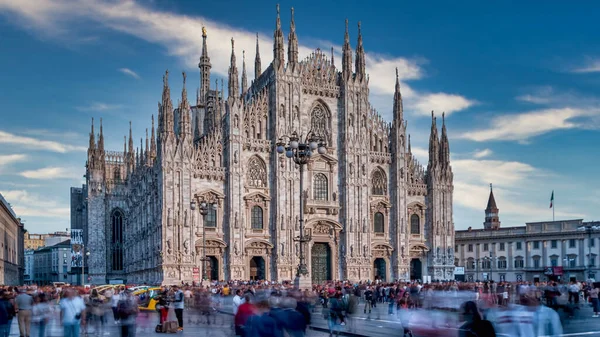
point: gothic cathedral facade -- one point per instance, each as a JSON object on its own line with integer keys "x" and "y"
{"x": 371, "y": 210}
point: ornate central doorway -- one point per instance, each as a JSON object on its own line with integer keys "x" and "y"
{"x": 212, "y": 268}
{"x": 257, "y": 268}
{"x": 380, "y": 269}
{"x": 320, "y": 263}
{"x": 416, "y": 269}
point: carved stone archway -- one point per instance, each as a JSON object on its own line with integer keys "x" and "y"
{"x": 324, "y": 231}
{"x": 215, "y": 248}
{"x": 258, "y": 248}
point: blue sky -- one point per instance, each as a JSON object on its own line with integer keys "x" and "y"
{"x": 519, "y": 82}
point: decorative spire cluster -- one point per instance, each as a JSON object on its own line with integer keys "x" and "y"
{"x": 204, "y": 66}
{"x": 185, "y": 129}
{"x": 233, "y": 74}
{"x": 257, "y": 68}
{"x": 278, "y": 52}
{"x": 244, "y": 77}
{"x": 360, "y": 57}
{"x": 398, "y": 113}
{"x": 292, "y": 43}
{"x": 166, "y": 109}
{"x": 346, "y": 55}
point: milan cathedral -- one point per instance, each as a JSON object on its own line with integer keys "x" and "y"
{"x": 371, "y": 210}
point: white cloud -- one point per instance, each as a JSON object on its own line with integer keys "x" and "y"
{"x": 523, "y": 126}
{"x": 482, "y": 153}
{"x": 591, "y": 66}
{"x": 27, "y": 204}
{"x": 99, "y": 106}
{"x": 48, "y": 173}
{"x": 421, "y": 154}
{"x": 9, "y": 159}
{"x": 440, "y": 102}
{"x": 38, "y": 144}
{"x": 180, "y": 35}
{"x": 129, "y": 72}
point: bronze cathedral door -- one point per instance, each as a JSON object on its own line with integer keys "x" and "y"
{"x": 320, "y": 263}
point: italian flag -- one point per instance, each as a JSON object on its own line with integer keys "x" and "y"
{"x": 552, "y": 199}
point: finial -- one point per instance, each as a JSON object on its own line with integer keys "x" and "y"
{"x": 359, "y": 27}
{"x": 232, "y": 44}
{"x": 256, "y": 37}
{"x": 292, "y": 13}
{"x": 152, "y": 120}
{"x": 432, "y": 117}
{"x": 184, "y": 78}
{"x": 277, "y": 9}
{"x": 444, "y": 117}
{"x": 100, "y": 125}
{"x": 396, "y": 73}
{"x": 332, "y": 56}
{"x": 346, "y": 25}
{"x": 243, "y": 56}
{"x": 491, "y": 187}
{"x": 92, "y": 124}
{"x": 203, "y": 31}
{"x": 166, "y": 78}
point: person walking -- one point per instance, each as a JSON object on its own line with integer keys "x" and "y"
{"x": 237, "y": 301}
{"x": 4, "y": 314}
{"x": 127, "y": 310}
{"x": 593, "y": 294}
{"x": 72, "y": 313}
{"x": 179, "y": 304}
{"x": 24, "y": 307}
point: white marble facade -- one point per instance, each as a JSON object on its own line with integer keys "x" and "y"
{"x": 372, "y": 210}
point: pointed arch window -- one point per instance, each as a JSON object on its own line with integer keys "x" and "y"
{"x": 319, "y": 122}
{"x": 415, "y": 224}
{"x": 378, "y": 223}
{"x": 320, "y": 188}
{"x": 116, "y": 221}
{"x": 257, "y": 217}
{"x": 257, "y": 173}
{"x": 379, "y": 183}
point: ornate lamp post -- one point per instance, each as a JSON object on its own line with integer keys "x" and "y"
{"x": 300, "y": 152}
{"x": 204, "y": 208}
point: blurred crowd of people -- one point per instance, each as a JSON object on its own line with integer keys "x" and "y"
{"x": 266, "y": 308}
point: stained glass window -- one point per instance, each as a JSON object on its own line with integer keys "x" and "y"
{"x": 379, "y": 183}
{"x": 319, "y": 122}
{"x": 320, "y": 188}
{"x": 378, "y": 223}
{"x": 257, "y": 173}
{"x": 117, "y": 240}
{"x": 415, "y": 224}
{"x": 257, "y": 217}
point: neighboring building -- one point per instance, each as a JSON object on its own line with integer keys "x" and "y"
{"x": 35, "y": 241}
{"x": 79, "y": 232}
{"x": 12, "y": 248}
{"x": 29, "y": 264}
{"x": 373, "y": 211}
{"x": 52, "y": 264}
{"x": 538, "y": 251}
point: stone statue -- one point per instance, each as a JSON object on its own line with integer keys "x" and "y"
{"x": 236, "y": 224}
{"x": 186, "y": 246}
{"x": 236, "y": 248}
{"x": 235, "y": 156}
{"x": 297, "y": 249}
{"x": 297, "y": 224}
{"x": 438, "y": 251}
{"x": 282, "y": 249}
{"x": 402, "y": 250}
{"x": 169, "y": 250}
{"x": 169, "y": 220}
{"x": 351, "y": 250}
{"x": 334, "y": 196}
{"x": 365, "y": 228}
{"x": 365, "y": 250}
{"x": 282, "y": 223}
{"x": 185, "y": 222}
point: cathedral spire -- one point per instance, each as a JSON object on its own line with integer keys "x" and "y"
{"x": 398, "y": 109}
{"x": 492, "y": 219}
{"x": 141, "y": 151}
{"x": 292, "y": 43}
{"x": 153, "y": 140}
{"x": 147, "y": 152}
{"x": 92, "y": 145}
{"x": 257, "y": 70}
{"x": 434, "y": 153}
{"x": 347, "y": 55}
{"x": 125, "y": 146}
{"x": 130, "y": 139}
{"x": 204, "y": 66}
{"x": 444, "y": 145}
{"x": 101, "y": 138}
{"x": 233, "y": 74}
{"x": 184, "y": 111}
{"x": 360, "y": 57}
{"x": 409, "y": 149}
{"x": 244, "y": 78}
{"x": 166, "y": 109}
{"x": 278, "y": 58}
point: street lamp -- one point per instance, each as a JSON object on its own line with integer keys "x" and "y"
{"x": 589, "y": 229}
{"x": 300, "y": 152}
{"x": 204, "y": 209}
{"x": 83, "y": 255}
{"x": 491, "y": 260}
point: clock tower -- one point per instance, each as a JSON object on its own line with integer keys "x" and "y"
{"x": 492, "y": 220}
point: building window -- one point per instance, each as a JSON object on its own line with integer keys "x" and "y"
{"x": 553, "y": 244}
{"x": 536, "y": 245}
{"x": 536, "y": 262}
{"x": 572, "y": 262}
{"x": 519, "y": 245}
{"x": 378, "y": 223}
{"x": 519, "y": 263}
{"x": 470, "y": 263}
{"x": 470, "y": 248}
{"x": 319, "y": 122}
{"x": 257, "y": 173}
{"x": 502, "y": 263}
{"x": 415, "y": 225}
{"x": 592, "y": 242}
{"x": 379, "y": 183}
{"x": 456, "y": 248}
{"x": 502, "y": 246}
{"x": 210, "y": 219}
{"x": 486, "y": 264}
{"x": 503, "y": 277}
{"x": 320, "y": 187}
{"x": 572, "y": 243}
{"x": 257, "y": 217}
{"x": 554, "y": 261}
{"x": 593, "y": 260}
{"x": 485, "y": 247}
{"x": 117, "y": 240}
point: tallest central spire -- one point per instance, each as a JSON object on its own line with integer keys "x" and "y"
{"x": 204, "y": 66}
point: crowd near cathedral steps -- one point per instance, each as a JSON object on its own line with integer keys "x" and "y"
{"x": 372, "y": 210}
